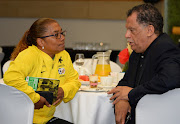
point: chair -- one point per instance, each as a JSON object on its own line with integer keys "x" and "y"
{"x": 1, "y": 81}
{"x": 6, "y": 66}
{"x": 16, "y": 107}
{"x": 159, "y": 109}
{"x": 89, "y": 64}
{"x": 1, "y": 58}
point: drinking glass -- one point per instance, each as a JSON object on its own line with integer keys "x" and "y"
{"x": 79, "y": 60}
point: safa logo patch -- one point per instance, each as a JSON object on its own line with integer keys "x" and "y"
{"x": 61, "y": 71}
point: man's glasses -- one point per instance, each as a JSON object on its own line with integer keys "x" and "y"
{"x": 57, "y": 35}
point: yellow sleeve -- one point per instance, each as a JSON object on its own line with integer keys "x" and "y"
{"x": 16, "y": 73}
{"x": 72, "y": 83}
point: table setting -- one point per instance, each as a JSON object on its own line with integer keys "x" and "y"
{"x": 97, "y": 72}
{"x": 105, "y": 84}
{"x": 92, "y": 104}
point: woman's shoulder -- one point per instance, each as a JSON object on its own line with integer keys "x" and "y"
{"x": 30, "y": 52}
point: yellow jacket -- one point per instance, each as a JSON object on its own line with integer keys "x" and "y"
{"x": 35, "y": 63}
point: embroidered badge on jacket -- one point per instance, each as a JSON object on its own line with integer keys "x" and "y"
{"x": 61, "y": 71}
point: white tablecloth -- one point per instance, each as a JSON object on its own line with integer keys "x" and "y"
{"x": 87, "y": 108}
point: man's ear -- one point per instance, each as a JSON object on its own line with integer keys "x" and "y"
{"x": 40, "y": 42}
{"x": 150, "y": 30}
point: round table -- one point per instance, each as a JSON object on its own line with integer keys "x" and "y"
{"x": 87, "y": 108}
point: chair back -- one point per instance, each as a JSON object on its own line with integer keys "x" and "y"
{"x": 1, "y": 58}
{"x": 6, "y": 66}
{"x": 159, "y": 109}
{"x": 16, "y": 107}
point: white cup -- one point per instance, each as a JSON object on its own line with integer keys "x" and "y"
{"x": 103, "y": 81}
{"x": 109, "y": 81}
{"x": 106, "y": 80}
{"x": 114, "y": 75}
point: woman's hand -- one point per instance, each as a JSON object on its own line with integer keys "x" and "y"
{"x": 41, "y": 103}
{"x": 60, "y": 95}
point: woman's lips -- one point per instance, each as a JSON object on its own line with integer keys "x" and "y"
{"x": 61, "y": 44}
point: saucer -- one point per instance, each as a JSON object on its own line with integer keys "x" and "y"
{"x": 106, "y": 87}
{"x": 88, "y": 89}
{"x": 87, "y": 83}
{"x": 84, "y": 82}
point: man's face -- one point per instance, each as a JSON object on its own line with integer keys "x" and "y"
{"x": 136, "y": 34}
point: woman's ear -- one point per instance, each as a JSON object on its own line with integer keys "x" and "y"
{"x": 40, "y": 42}
{"x": 150, "y": 30}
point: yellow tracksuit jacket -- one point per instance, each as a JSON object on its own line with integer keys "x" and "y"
{"x": 35, "y": 63}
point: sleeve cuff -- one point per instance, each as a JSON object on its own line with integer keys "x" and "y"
{"x": 135, "y": 95}
{"x": 37, "y": 98}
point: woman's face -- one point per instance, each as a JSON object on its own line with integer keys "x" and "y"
{"x": 53, "y": 45}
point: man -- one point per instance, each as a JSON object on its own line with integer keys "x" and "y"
{"x": 154, "y": 65}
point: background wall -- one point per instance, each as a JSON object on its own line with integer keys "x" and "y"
{"x": 86, "y": 21}
{"x": 81, "y": 9}
{"x": 78, "y": 30}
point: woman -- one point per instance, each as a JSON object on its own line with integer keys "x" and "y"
{"x": 40, "y": 53}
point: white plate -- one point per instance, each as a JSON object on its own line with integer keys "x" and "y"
{"x": 106, "y": 87}
{"x": 88, "y": 89}
{"x": 84, "y": 82}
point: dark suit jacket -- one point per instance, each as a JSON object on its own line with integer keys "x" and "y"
{"x": 160, "y": 71}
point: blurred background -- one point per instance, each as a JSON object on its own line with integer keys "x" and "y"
{"x": 92, "y": 25}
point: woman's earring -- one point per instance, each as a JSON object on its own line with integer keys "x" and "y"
{"x": 43, "y": 47}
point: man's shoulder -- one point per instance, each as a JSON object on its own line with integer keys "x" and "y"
{"x": 163, "y": 44}
{"x": 164, "y": 41}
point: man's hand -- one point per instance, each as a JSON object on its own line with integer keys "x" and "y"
{"x": 120, "y": 93}
{"x": 121, "y": 109}
{"x": 60, "y": 95}
{"x": 41, "y": 103}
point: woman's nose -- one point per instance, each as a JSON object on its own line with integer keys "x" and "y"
{"x": 62, "y": 37}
